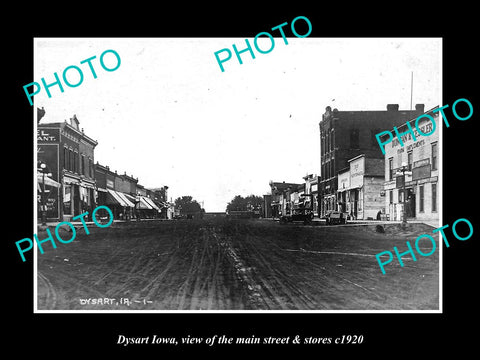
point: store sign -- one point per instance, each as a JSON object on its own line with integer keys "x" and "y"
{"x": 400, "y": 181}
{"x": 421, "y": 162}
{"x": 421, "y": 172}
{"x": 48, "y": 135}
{"x": 357, "y": 170}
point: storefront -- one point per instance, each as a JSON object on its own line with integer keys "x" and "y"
{"x": 67, "y": 153}
{"x": 360, "y": 188}
{"x": 47, "y": 196}
{"x": 121, "y": 206}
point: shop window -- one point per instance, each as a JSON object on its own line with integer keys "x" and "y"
{"x": 434, "y": 197}
{"x": 67, "y": 199}
{"x": 421, "y": 196}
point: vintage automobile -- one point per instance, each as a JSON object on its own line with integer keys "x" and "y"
{"x": 336, "y": 217}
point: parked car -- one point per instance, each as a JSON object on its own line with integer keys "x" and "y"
{"x": 336, "y": 217}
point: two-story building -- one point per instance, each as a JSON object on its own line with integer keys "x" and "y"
{"x": 68, "y": 154}
{"x": 412, "y": 171}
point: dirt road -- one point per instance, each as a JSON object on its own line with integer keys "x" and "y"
{"x": 234, "y": 265}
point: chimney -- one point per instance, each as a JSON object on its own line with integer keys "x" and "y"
{"x": 392, "y": 107}
{"x": 420, "y": 108}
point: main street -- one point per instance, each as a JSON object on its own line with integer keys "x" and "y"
{"x": 224, "y": 264}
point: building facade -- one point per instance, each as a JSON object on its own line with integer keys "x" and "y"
{"x": 412, "y": 172}
{"x": 346, "y": 134}
{"x": 68, "y": 154}
{"x": 360, "y": 188}
{"x": 311, "y": 188}
{"x": 283, "y": 197}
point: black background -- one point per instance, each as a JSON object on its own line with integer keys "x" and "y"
{"x": 65, "y": 335}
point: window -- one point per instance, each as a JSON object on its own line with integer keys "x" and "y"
{"x": 434, "y": 197}
{"x": 82, "y": 165}
{"x": 70, "y": 165}
{"x": 67, "y": 199}
{"x": 410, "y": 160}
{"x": 390, "y": 168}
{"x": 354, "y": 139}
{"x": 374, "y": 138}
{"x": 65, "y": 158}
{"x": 332, "y": 141}
{"x": 391, "y": 196}
{"x": 90, "y": 168}
{"x": 421, "y": 198}
{"x": 328, "y": 142}
{"x": 75, "y": 162}
{"x": 434, "y": 156}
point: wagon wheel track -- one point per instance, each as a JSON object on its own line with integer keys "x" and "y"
{"x": 51, "y": 294}
{"x": 286, "y": 287}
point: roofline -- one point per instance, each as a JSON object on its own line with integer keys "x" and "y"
{"x": 428, "y": 112}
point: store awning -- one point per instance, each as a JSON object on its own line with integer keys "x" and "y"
{"x": 48, "y": 181}
{"x": 115, "y": 199}
{"x": 132, "y": 199}
{"x": 143, "y": 204}
{"x": 159, "y": 204}
{"x": 124, "y": 198}
{"x": 151, "y": 203}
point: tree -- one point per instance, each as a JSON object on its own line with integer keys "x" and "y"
{"x": 187, "y": 205}
{"x": 239, "y": 203}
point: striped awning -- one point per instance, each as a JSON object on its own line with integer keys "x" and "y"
{"x": 125, "y": 198}
{"x": 48, "y": 181}
{"x": 115, "y": 198}
{"x": 151, "y": 203}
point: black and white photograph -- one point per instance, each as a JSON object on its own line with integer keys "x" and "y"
{"x": 212, "y": 185}
{"x": 220, "y": 180}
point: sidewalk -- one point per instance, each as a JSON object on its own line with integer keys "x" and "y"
{"x": 78, "y": 224}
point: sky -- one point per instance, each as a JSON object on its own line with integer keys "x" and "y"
{"x": 169, "y": 116}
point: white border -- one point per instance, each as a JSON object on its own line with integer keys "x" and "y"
{"x": 440, "y": 191}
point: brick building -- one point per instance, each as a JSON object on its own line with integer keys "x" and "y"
{"x": 347, "y": 134}
{"x": 68, "y": 154}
